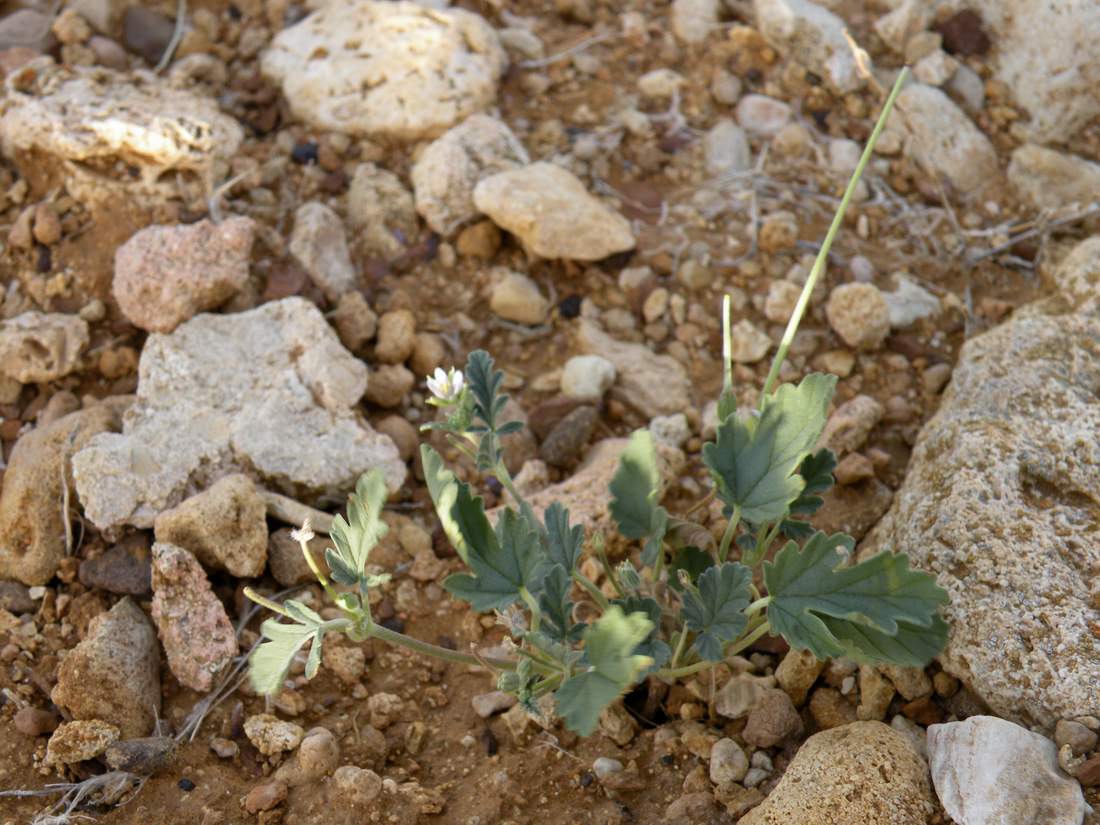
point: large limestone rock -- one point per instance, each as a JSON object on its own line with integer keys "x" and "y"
{"x": 92, "y": 122}
{"x": 1002, "y": 501}
{"x": 269, "y": 392}
{"x": 114, "y": 674}
{"x": 32, "y": 524}
{"x": 388, "y": 69}
{"x": 855, "y": 774}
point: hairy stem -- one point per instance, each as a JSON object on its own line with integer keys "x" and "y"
{"x": 727, "y": 536}
{"x": 590, "y": 587}
{"x": 377, "y": 631}
{"x": 680, "y": 646}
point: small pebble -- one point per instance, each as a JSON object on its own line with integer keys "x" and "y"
{"x": 762, "y": 115}
{"x": 265, "y": 797}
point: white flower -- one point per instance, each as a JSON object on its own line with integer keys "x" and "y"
{"x": 446, "y": 386}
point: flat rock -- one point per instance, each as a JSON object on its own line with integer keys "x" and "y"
{"x": 990, "y": 771}
{"x": 942, "y": 138}
{"x": 165, "y": 275}
{"x": 114, "y": 673}
{"x": 77, "y": 741}
{"x": 125, "y": 568}
{"x": 198, "y": 638}
{"x": 553, "y": 215}
{"x": 812, "y": 35}
{"x": 318, "y": 242}
{"x": 270, "y": 392}
{"x": 92, "y": 120}
{"x": 863, "y": 773}
{"x": 446, "y": 172}
{"x": 32, "y": 529}
{"x": 381, "y": 212}
{"x": 37, "y": 347}
{"x": 1047, "y": 179}
{"x": 225, "y": 527}
{"x": 650, "y": 383}
{"x": 396, "y": 70}
{"x": 999, "y": 501}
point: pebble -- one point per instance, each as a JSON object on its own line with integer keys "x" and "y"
{"x": 652, "y": 384}
{"x": 380, "y": 212}
{"x": 754, "y": 776}
{"x": 146, "y": 32}
{"x": 859, "y": 315}
{"x": 317, "y": 755}
{"x": 1076, "y": 736}
{"x": 38, "y": 347}
{"x": 108, "y": 53}
{"x": 741, "y": 694}
{"x": 569, "y": 437}
{"x": 224, "y": 748}
{"x": 428, "y": 353}
{"x": 144, "y": 756}
{"x": 347, "y": 663}
{"x": 26, "y": 29}
{"x": 396, "y": 337}
{"x": 911, "y": 682}
{"x": 77, "y": 741}
{"x": 587, "y": 377}
{"x": 14, "y": 598}
{"x": 660, "y": 84}
{"x": 488, "y": 704}
{"x": 402, "y": 433}
{"x": 772, "y": 720}
{"x": 672, "y": 430}
{"x": 389, "y": 384}
{"x": 265, "y": 797}
{"x": 793, "y": 141}
{"x": 782, "y": 297}
{"x": 358, "y": 787}
{"x": 272, "y": 735}
{"x": 853, "y": 468}
{"x": 935, "y": 69}
{"x": 851, "y": 423}
{"x": 844, "y": 155}
{"x": 605, "y": 766}
{"x": 748, "y": 343}
{"x": 909, "y": 302}
{"x": 830, "y": 708}
{"x": 728, "y": 762}
{"x": 516, "y": 297}
{"x": 694, "y": 20}
{"x": 816, "y": 35}
{"x": 762, "y": 115}
{"x": 797, "y": 673}
{"x": 725, "y": 87}
{"x": 384, "y": 708}
{"x": 31, "y": 721}
{"x": 354, "y": 320}
{"x": 968, "y": 88}
{"x": 778, "y": 231}
{"x": 726, "y": 149}
{"x": 318, "y": 242}
{"x": 47, "y": 225}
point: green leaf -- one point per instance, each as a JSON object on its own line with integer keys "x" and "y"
{"x": 556, "y": 604}
{"x": 460, "y": 512}
{"x": 753, "y": 460}
{"x": 363, "y": 529}
{"x": 612, "y": 668}
{"x": 693, "y": 561}
{"x": 269, "y": 665}
{"x": 715, "y": 608}
{"x": 635, "y": 490}
{"x": 485, "y": 382}
{"x": 652, "y": 645}
{"x": 564, "y": 543}
{"x": 817, "y": 471}
{"x": 502, "y": 567}
{"x": 870, "y": 612}
{"x": 727, "y": 405}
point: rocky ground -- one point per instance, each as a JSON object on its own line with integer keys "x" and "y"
{"x": 235, "y": 246}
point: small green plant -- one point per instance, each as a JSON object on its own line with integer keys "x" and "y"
{"x": 683, "y": 602}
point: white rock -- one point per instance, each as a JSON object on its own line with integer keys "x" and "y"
{"x": 660, "y": 84}
{"x": 92, "y": 121}
{"x": 693, "y": 20}
{"x": 909, "y": 302}
{"x": 762, "y": 114}
{"x": 486, "y": 704}
{"x": 968, "y": 88}
{"x": 605, "y": 766}
{"x": 936, "y": 68}
{"x": 844, "y": 155}
{"x": 552, "y": 214}
{"x": 728, "y": 762}
{"x": 445, "y": 174}
{"x": 319, "y": 244}
{"x": 390, "y": 69}
{"x": 782, "y": 297}
{"x": 517, "y": 298}
{"x": 748, "y": 343}
{"x": 37, "y": 347}
{"x": 650, "y": 383}
{"x": 380, "y": 212}
{"x": 943, "y": 138}
{"x": 672, "y": 430}
{"x": 909, "y": 17}
{"x": 587, "y": 377}
{"x": 988, "y": 771}
{"x": 859, "y": 315}
{"x": 272, "y": 735}
{"x": 726, "y": 149}
{"x": 812, "y": 35}
{"x": 269, "y": 392}
{"x": 1047, "y": 179}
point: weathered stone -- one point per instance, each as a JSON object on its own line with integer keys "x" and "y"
{"x": 812, "y": 35}
{"x": 1047, "y": 179}
{"x": 319, "y": 244}
{"x": 772, "y": 719}
{"x": 552, "y": 214}
{"x": 797, "y": 673}
{"x": 317, "y": 755}
{"x": 32, "y": 526}
{"x": 225, "y": 527}
{"x": 396, "y": 70}
{"x": 652, "y": 384}
{"x": 198, "y": 638}
{"x": 859, "y": 774}
{"x": 125, "y": 568}
{"x": 269, "y": 392}
{"x": 587, "y": 377}
{"x": 380, "y": 212}
{"x": 165, "y": 275}
{"x": 114, "y": 674}
{"x": 145, "y": 756}
{"x": 37, "y": 347}
{"x": 271, "y": 735}
{"x": 77, "y": 741}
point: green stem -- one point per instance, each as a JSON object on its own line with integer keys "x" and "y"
{"x": 727, "y": 536}
{"x": 727, "y": 345}
{"x": 732, "y": 650}
{"x": 823, "y": 255}
{"x": 608, "y": 570}
{"x": 590, "y": 586}
{"x": 426, "y": 648}
{"x": 680, "y": 645}
{"x": 758, "y": 605}
{"x": 532, "y": 605}
{"x": 763, "y": 542}
{"x": 274, "y": 607}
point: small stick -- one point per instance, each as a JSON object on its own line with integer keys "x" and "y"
{"x": 288, "y": 510}
{"x": 177, "y": 37}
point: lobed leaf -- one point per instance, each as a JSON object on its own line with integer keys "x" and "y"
{"x": 652, "y": 645}
{"x": 816, "y": 470}
{"x": 355, "y": 537}
{"x": 564, "y": 543}
{"x": 270, "y": 663}
{"x": 692, "y": 561}
{"x": 872, "y": 612}
{"x": 753, "y": 460}
{"x": 556, "y": 605}
{"x": 461, "y": 513}
{"x": 612, "y": 668}
{"x": 715, "y": 608}
{"x": 635, "y": 490}
{"x": 503, "y": 565}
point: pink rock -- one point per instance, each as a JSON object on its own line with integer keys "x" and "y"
{"x": 165, "y": 275}
{"x": 193, "y": 627}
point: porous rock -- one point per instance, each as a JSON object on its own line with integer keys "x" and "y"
{"x": 37, "y": 347}
{"x": 91, "y": 119}
{"x": 387, "y": 69}
{"x": 80, "y": 740}
{"x": 269, "y": 392}
{"x": 225, "y": 526}
{"x": 271, "y": 735}
{"x": 165, "y": 275}
{"x": 999, "y": 501}
{"x": 198, "y": 638}
{"x": 446, "y": 172}
{"x": 858, "y": 774}
{"x": 32, "y": 527}
{"x": 317, "y": 755}
{"x": 114, "y": 673}
{"x": 988, "y": 770}
{"x": 552, "y": 214}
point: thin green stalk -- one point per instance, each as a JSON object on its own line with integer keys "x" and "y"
{"x": 727, "y": 536}
{"x": 532, "y": 605}
{"x": 590, "y": 587}
{"x": 680, "y": 646}
{"x": 378, "y": 631}
{"x": 727, "y": 346}
{"x": 732, "y": 650}
{"x": 758, "y": 605}
{"x": 763, "y": 542}
{"x": 274, "y": 607}
{"x": 823, "y": 255}
{"x": 609, "y": 571}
